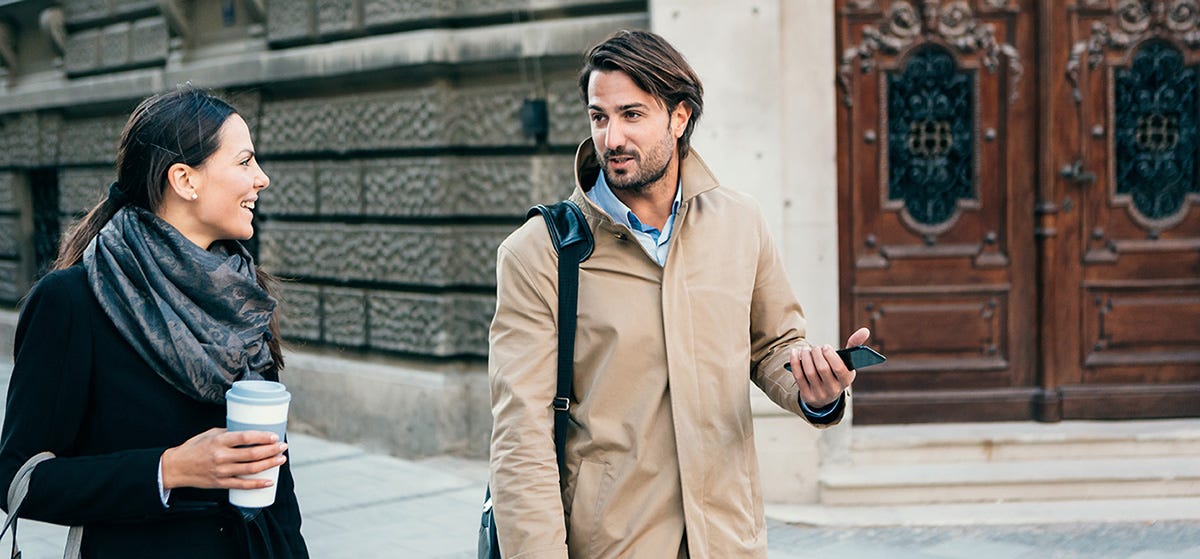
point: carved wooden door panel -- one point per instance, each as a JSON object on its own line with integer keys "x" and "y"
{"x": 936, "y": 183}
{"x": 1120, "y": 206}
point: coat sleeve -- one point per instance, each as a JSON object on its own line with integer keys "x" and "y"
{"x": 47, "y": 404}
{"x": 776, "y": 325}
{"x": 523, "y": 348}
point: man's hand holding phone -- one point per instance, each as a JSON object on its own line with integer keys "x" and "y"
{"x": 821, "y": 373}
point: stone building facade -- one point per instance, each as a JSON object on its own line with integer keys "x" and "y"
{"x": 391, "y": 130}
{"x": 394, "y": 137}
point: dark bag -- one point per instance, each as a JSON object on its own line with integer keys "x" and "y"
{"x": 573, "y": 242}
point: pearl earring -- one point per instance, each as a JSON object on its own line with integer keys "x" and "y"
{"x": 194, "y": 196}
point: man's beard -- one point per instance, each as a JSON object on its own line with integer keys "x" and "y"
{"x": 635, "y": 183}
{"x": 644, "y": 177}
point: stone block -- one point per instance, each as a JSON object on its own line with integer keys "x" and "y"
{"x": 421, "y": 118}
{"x": 568, "y": 114}
{"x": 300, "y": 311}
{"x": 354, "y": 122}
{"x": 488, "y": 116}
{"x": 248, "y": 104}
{"x": 440, "y": 325}
{"x": 76, "y": 11}
{"x": 437, "y": 186}
{"x": 340, "y": 187}
{"x": 10, "y": 236}
{"x": 407, "y": 408}
{"x": 118, "y": 45}
{"x": 79, "y": 189}
{"x": 48, "y": 131}
{"x": 345, "y": 316}
{"x": 338, "y": 16}
{"x": 29, "y": 139}
{"x": 91, "y": 140}
{"x": 114, "y": 46}
{"x": 15, "y": 148}
{"x": 405, "y": 187}
{"x": 289, "y": 20}
{"x": 8, "y": 194}
{"x": 405, "y": 254}
{"x": 80, "y": 12}
{"x": 507, "y": 186}
{"x": 83, "y": 51}
{"x": 314, "y": 21}
{"x": 149, "y": 41}
{"x": 293, "y": 189}
{"x": 12, "y": 282}
{"x": 478, "y": 403}
{"x": 464, "y": 186}
{"x": 389, "y": 12}
{"x": 470, "y": 253}
{"x": 122, "y": 7}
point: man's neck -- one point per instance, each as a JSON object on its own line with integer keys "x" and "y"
{"x": 652, "y": 205}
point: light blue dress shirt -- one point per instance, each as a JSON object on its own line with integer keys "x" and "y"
{"x": 656, "y": 242}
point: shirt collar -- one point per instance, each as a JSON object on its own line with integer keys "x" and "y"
{"x": 603, "y": 196}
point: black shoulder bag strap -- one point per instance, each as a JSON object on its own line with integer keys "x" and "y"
{"x": 573, "y": 242}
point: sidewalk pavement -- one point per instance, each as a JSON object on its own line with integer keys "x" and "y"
{"x": 362, "y": 505}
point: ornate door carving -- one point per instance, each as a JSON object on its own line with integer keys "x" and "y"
{"x": 1020, "y": 206}
{"x": 1124, "y": 209}
{"x": 936, "y": 173}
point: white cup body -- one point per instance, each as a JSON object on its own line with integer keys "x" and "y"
{"x": 259, "y": 418}
{"x": 256, "y": 498}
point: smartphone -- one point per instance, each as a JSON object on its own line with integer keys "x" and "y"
{"x": 855, "y": 357}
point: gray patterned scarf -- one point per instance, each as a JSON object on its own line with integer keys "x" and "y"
{"x": 198, "y": 317}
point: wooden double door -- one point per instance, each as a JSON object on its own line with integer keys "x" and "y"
{"x": 1019, "y": 207}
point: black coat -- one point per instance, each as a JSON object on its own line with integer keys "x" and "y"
{"x": 80, "y": 391}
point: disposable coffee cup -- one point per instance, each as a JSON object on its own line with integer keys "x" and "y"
{"x": 257, "y": 405}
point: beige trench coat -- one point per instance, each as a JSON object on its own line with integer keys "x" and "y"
{"x": 661, "y": 443}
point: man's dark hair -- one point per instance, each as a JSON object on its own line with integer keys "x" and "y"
{"x": 655, "y": 66}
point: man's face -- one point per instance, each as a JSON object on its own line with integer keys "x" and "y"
{"x": 634, "y": 133}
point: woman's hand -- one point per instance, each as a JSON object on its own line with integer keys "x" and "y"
{"x": 213, "y": 460}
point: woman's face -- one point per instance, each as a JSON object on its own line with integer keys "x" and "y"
{"x": 227, "y": 186}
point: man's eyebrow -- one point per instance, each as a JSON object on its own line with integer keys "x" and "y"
{"x": 619, "y": 109}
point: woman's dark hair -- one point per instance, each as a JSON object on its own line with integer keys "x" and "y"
{"x": 655, "y": 66}
{"x": 179, "y": 126}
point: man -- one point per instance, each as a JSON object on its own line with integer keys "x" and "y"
{"x": 683, "y": 302}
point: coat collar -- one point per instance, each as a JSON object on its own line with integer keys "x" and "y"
{"x": 695, "y": 177}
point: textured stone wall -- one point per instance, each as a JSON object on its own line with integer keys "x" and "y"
{"x": 113, "y": 35}
{"x": 308, "y": 21}
{"x": 391, "y": 186}
{"x": 10, "y": 238}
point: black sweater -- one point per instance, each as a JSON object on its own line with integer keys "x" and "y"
{"x": 80, "y": 391}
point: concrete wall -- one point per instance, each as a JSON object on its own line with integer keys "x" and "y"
{"x": 769, "y": 129}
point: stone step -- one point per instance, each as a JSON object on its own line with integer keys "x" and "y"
{"x": 1017, "y": 441}
{"x": 974, "y": 514}
{"x": 1040, "y": 480}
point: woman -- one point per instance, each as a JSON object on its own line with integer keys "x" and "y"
{"x": 125, "y": 350}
